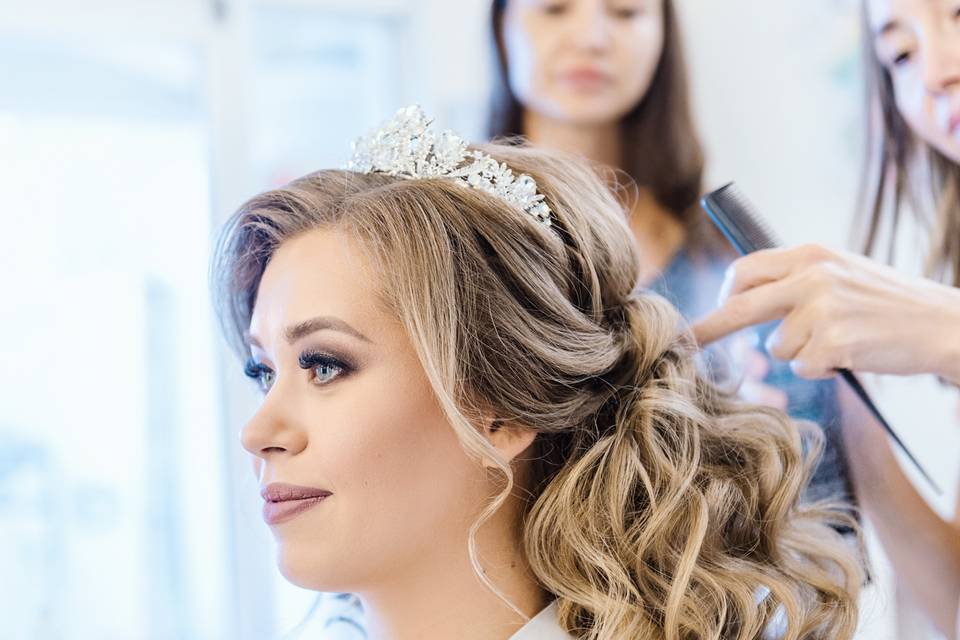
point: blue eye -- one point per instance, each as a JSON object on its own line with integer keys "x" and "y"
{"x": 324, "y": 369}
{"x": 262, "y": 374}
{"x": 325, "y": 373}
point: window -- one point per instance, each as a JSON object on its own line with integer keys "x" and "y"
{"x": 127, "y": 507}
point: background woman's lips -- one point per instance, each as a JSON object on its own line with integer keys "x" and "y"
{"x": 585, "y": 78}
{"x": 954, "y": 124}
{"x": 283, "y": 501}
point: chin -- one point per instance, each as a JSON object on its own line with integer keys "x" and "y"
{"x": 591, "y": 110}
{"x": 952, "y": 151}
{"x": 307, "y": 568}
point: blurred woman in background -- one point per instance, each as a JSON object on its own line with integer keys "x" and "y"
{"x": 606, "y": 79}
{"x": 844, "y": 310}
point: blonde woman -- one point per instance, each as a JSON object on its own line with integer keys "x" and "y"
{"x": 472, "y": 421}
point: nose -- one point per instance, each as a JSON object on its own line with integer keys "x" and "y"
{"x": 591, "y": 29}
{"x": 272, "y": 431}
{"x": 941, "y": 64}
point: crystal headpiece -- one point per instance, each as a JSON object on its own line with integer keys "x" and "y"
{"x": 407, "y": 146}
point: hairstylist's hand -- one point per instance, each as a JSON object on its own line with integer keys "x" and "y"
{"x": 840, "y": 310}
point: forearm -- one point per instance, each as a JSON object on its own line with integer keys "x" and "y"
{"x": 946, "y": 336}
{"x": 951, "y": 368}
{"x": 923, "y": 548}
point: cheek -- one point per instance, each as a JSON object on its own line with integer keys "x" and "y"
{"x": 409, "y": 467}
{"x": 640, "y": 51}
{"x": 404, "y": 486}
{"x": 916, "y": 107}
{"x": 525, "y": 49}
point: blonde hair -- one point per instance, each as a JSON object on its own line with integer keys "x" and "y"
{"x": 659, "y": 506}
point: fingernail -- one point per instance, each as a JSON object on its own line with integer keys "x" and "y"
{"x": 771, "y": 342}
{"x": 725, "y": 286}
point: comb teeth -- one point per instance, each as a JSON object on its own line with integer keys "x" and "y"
{"x": 739, "y": 219}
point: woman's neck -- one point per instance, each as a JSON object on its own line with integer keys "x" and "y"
{"x": 600, "y": 142}
{"x": 658, "y": 232}
{"x": 439, "y": 596}
{"x": 659, "y": 235}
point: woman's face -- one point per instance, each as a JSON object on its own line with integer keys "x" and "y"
{"x": 582, "y": 61}
{"x": 348, "y": 409}
{"x": 919, "y": 42}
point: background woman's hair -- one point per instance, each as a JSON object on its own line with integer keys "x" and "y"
{"x": 662, "y": 151}
{"x": 656, "y": 506}
{"x": 903, "y": 171}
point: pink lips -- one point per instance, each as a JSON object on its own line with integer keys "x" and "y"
{"x": 585, "y": 78}
{"x": 284, "y": 502}
{"x": 954, "y": 123}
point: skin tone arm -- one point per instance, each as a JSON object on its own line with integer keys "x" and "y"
{"x": 923, "y": 548}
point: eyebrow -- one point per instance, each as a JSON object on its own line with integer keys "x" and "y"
{"x": 300, "y": 330}
{"x": 886, "y": 28}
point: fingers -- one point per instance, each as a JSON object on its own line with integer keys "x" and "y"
{"x": 790, "y": 337}
{"x": 811, "y": 365}
{"x": 760, "y": 287}
{"x": 755, "y": 306}
{"x": 770, "y": 265}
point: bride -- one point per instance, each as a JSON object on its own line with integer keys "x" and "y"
{"x": 473, "y": 423}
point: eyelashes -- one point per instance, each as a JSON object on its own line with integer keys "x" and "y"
{"x": 260, "y": 373}
{"x": 322, "y": 367}
{"x": 901, "y": 58}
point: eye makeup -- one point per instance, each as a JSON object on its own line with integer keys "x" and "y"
{"x": 324, "y": 368}
{"x": 320, "y": 361}
{"x": 260, "y": 373}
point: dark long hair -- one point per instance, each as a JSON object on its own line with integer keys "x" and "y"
{"x": 890, "y": 178}
{"x": 662, "y": 151}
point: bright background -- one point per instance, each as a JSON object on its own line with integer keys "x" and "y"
{"x": 129, "y": 129}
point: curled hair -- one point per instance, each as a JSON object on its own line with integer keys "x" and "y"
{"x": 657, "y": 505}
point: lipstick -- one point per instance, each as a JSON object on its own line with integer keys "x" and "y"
{"x": 283, "y": 502}
{"x": 585, "y": 78}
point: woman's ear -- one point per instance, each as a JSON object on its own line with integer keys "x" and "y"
{"x": 509, "y": 439}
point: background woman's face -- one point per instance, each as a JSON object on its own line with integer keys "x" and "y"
{"x": 918, "y": 41}
{"x": 582, "y": 61}
{"x": 348, "y": 408}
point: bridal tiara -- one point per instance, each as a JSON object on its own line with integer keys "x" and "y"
{"x": 407, "y": 146}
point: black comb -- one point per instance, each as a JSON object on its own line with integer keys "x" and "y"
{"x": 747, "y": 231}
